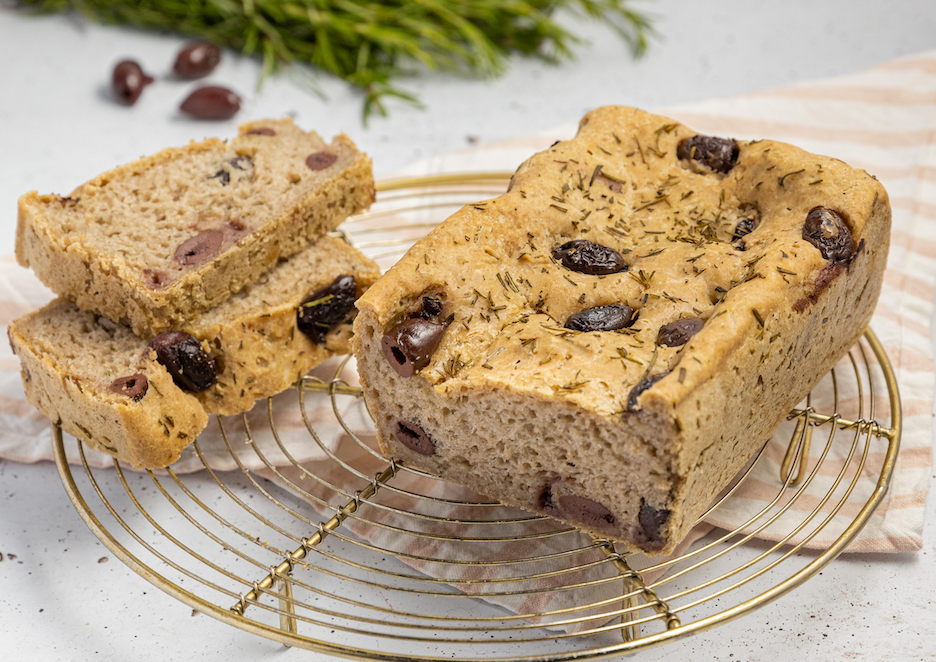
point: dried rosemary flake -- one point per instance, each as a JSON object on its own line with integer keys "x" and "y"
{"x": 498, "y": 351}
{"x": 781, "y": 180}
{"x": 682, "y": 375}
{"x": 640, "y": 150}
{"x": 658, "y": 200}
{"x": 595, "y": 174}
{"x": 562, "y": 209}
{"x": 642, "y": 277}
{"x": 318, "y": 302}
{"x": 510, "y": 282}
{"x": 651, "y": 364}
{"x": 571, "y": 387}
{"x": 757, "y": 316}
{"x": 492, "y": 254}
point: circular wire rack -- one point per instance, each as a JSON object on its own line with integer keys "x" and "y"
{"x": 355, "y": 555}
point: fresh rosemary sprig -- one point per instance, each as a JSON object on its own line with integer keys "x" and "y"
{"x": 368, "y": 43}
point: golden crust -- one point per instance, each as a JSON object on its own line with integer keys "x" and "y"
{"x": 777, "y": 316}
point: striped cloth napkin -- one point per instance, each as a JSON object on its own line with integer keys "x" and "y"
{"x": 882, "y": 120}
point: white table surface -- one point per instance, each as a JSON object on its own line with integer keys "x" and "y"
{"x": 57, "y": 128}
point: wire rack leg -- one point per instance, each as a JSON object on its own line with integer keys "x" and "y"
{"x": 629, "y": 632}
{"x": 284, "y": 589}
{"x": 283, "y": 571}
{"x": 633, "y": 580}
{"x": 802, "y": 436}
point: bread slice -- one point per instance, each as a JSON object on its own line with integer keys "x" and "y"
{"x": 96, "y": 379}
{"x": 611, "y": 340}
{"x": 109, "y": 388}
{"x": 158, "y": 241}
{"x": 262, "y": 351}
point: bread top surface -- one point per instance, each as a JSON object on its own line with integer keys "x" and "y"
{"x": 162, "y": 216}
{"x": 675, "y": 221}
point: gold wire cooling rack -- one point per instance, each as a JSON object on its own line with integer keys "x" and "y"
{"x": 357, "y": 556}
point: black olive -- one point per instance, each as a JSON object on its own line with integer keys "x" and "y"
{"x": 642, "y": 386}
{"x": 327, "y": 308}
{"x": 186, "y": 361}
{"x": 211, "y": 103}
{"x": 128, "y": 81}
{"x": 414, "y": 438}
{"x": 602, "y": 318}
{"x": 588, "y": 257}
{"x": 719, "y": 154}
{"x": 679, "y": 332}
{"x": 133, "y": 387}
{"x": 409, "y": 346}
{"x": 196, "y": 60}
{"x": 826, "y": 230}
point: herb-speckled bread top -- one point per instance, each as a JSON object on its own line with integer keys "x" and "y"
{"x": 633, "y": 281}
{"x": 676, "y": 225}
{"x": 157, "y": 241}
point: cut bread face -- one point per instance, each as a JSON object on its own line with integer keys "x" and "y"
{"x": 157, "y": 242}
{"x": 143, "y": 400}
{"x": 258, "y": 337}
{"x": 610, "y": 341}
{"x": 97, "y": 380}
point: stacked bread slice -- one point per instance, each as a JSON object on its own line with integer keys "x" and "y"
{"x": 191, "y": 282}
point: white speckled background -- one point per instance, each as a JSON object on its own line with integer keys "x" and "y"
{"x": 58, "y": 128}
